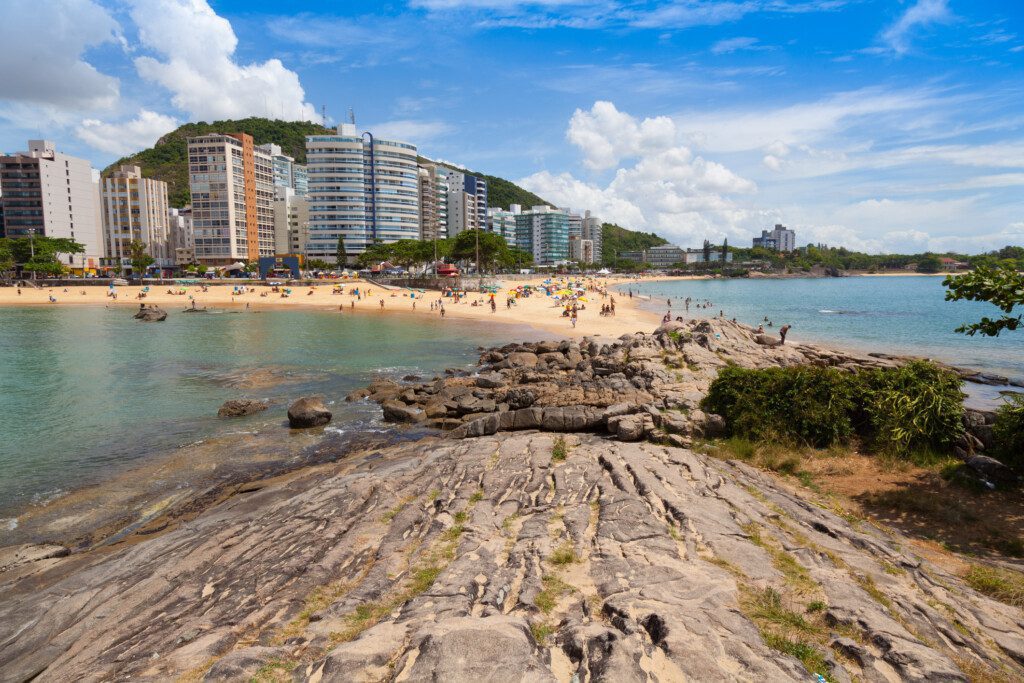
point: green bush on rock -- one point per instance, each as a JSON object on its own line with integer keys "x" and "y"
{"x": 899, "y": 411}
{"x": 1008, "y": 431}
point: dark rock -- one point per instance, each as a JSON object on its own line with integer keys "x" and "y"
{"x": 490, "y": 381}
{"x": 396, "y": 411}
{"x": 241, "y": 407}
{"x": 519, "y": 398}
{"x": 308, "y": 411}
{"x": 992, "y": 470}
{"x": 411, "y": 378}
{"x": 151, "y": 314}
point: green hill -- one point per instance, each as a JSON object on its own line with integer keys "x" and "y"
{"x": 617, "y": 239}
{"x": 167, "y": 160}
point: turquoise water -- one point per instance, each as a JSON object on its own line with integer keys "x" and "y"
{"x": 87, "y": 393}
{"x": 898, "y": 315}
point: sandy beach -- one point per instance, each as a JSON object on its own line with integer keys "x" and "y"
{"x": 538, "y": 311}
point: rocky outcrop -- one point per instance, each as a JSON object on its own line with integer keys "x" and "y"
{"x": 636, "y": 387}
{"x": 309, "y": 411}
{"x": 488, "y": 559}
{"x": 150, "y": 314}
{"x": 241, "y": 407}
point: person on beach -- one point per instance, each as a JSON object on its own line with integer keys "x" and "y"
{"x": 782, "y": 332}
{"x": 572, "y": 318}
{"x": 442, "y": 310}
{"x": 382, "y": 304}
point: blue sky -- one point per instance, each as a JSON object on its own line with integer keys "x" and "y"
{"x": 876, "y": 124}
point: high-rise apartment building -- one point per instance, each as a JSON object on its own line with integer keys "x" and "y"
{"x": 49, "y": 194}
{"x": 433, "y": 202}
{"x": 544, "y": 232}
{"x": 780, "y": 238}
{"x": 232, "y": 184}
{"x": 581, "y": 250}
{"x": 593, "y": 231}
{"x": 502, "y": 222}
{"x": 291, "y": 221}
{"x": 467, "y": 201}
{"x": 287, "y": 173}
{"x": 135, "y": 208}
{"x": 362, "y": 189}
{"x": 182, "y": 240}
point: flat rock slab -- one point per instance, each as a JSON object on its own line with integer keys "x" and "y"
{"x": 486, "y": 559}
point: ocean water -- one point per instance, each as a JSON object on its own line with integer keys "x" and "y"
{"x": 88, "y": 394}
{"x": 898, "y": 315}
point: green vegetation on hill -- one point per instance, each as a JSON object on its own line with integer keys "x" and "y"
{"x": 167, "y": 160}
{"x": 502, "y": 193}
{"x": 617, "y": 239}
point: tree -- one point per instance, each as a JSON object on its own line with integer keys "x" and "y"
{"x": 929, "y": 263}
{"x": 493, "y": 248}
{"x": 707, "y": 251}
{"x": 725, "y": 249}
{"x": 6, "y": 257}
{"x": 317, "y": 264}
{"x": 140, "y": 259}
{"x": 342, "y": 257}
{"x": 1001, "y": 286}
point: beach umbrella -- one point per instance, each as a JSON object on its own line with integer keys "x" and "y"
{"x": 583, "y": 299}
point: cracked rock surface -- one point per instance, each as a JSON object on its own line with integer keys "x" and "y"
{"x": 487, "y": 559}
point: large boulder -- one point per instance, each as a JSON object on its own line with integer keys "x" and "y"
{"x": 522, "y": 359}
{"x": 151, "y": 314}
{"x": 992, "y": 470}
{"x": 241, "y": 407}
{"x": 308, "y": 411}
{"x": 396, "y": 411}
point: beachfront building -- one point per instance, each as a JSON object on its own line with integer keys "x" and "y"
{"x": 467, "y": 201}
{"x": 592, "y": 229}
{"x": 502, "y": 222}
{"x": 287, "y": 173}
{"x": 135, "y": 208}
{"x": 49, "y": 194}
{"x": 544, "y": 232}
{"x": 232, "y": 185}
{"x": 362, "y": 189}
{"x": 581, "y": 250}
{"x": 291, "y": 221}
{"x": 181, "y": 239}
{"x": 780, "y": 238}
{"x": 433, "y": 192}
{"x": 698, "y": 256}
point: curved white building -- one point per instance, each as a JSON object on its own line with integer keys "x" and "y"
{"x": 361, "y": 188}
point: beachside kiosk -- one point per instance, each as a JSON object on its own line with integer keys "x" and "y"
{"x": 280, "y": 266}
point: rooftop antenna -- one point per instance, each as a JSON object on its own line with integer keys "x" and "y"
{"x": 323, "y": 115}
{"x": 351, "y": 116}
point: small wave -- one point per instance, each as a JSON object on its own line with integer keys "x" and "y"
{"x": 335, "y": 430}
{"x": 827, "y": 311}
{"x": 47, "y": 497}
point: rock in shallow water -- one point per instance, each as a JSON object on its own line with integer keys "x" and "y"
{"x": 308, "y": 411}
{"x": 241, "y": 407}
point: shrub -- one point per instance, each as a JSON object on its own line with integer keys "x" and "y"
{"x": 913, "y": 408}
{"x": 806, "y": 404}
{"x": 917, "y": 408}
{"x": 1008, "y": 431}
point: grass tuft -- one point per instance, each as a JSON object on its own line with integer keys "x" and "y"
{"x": 560, "y": 450}
{"x": 1004, "y": 585}
{"x": 564, "y": 554}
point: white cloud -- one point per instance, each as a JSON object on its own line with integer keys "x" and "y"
{"x": 408, "y": 130}
{"x": 42, "y": 43}
{"x": 729, "y": 45}
{"x": 922, "y": 14}
{"x": 669, "y": 189}
{"x": 605, "y": 135}
{"x": 772, "y": 162}
{"x": 197, "y": 48}
{"x": 127, "y": 136}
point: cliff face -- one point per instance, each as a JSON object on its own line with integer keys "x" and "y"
{"x": 519, "y": 555}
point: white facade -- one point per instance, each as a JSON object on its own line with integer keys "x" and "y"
{"x": 50, "y": 194}
{"x": 287, "y": 173}
{"x": 581, "y": 250}
{"x": 135, "y": 208}
{"x": 592, "y": 230}
{"x": 780, "y": 238}
{"x": 182, "y": 240}
{"x": 503, "y": 223}
{"x": 361, "y": 191}
{"x": 232, "y": 186}
{"x": 467, "y": 201}
{"x": 291, "y": 221}
{"x": 433, "y": 186}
